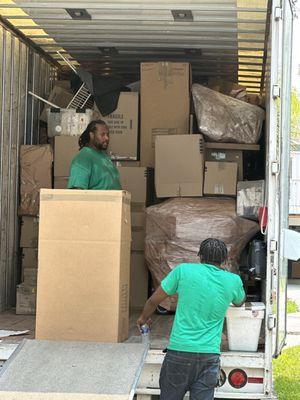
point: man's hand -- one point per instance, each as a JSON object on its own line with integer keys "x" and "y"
{"x": 158, "y": 296}
{"x": 142, "y": 321}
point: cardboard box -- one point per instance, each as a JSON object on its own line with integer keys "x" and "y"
{"x": 29, "y": 232}
{"x": 138, "y": 238}
{"x": 232, "y": 146}
{"x": 65, "y": 149}
{"x": 123, "y": 126}
{"x": 30, "y": 276}
{"x": 138, "y": 280}
{"x": 134, "y": 181}
{"x": 179, "y": 165}
{"x": 61, "y": 182}
{"x": 165, "y": 104}
{"x": 84, "y": 242}
{"x": 29, "y": 257}
{"x": 227, "y": 156}
{"x": 220, "y": 178}
{"x": 36, "y": 173}
{"x": 138, "y": 216}
{"x": 63, "y": 84}
{"x": 26, "y": 300}
{"x": 295, "y": 269}
{"x": 60, "y": 97}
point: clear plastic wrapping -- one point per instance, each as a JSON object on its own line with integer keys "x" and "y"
{"x": 250, "y": 197}
{"x": 176, "y": 228}
{"x": 222, "y": 118}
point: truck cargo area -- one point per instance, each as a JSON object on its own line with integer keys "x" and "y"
{"x": 65, "y": 63}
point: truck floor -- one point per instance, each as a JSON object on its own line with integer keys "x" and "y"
{"x": 160, "y": 331}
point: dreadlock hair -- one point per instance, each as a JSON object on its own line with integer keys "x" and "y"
{"x": 213, "y": 251}
{"x": 84, "y": 138}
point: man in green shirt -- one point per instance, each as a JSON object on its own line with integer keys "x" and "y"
{"x": 92, "y": 168}
{"x": 205, "y": 291}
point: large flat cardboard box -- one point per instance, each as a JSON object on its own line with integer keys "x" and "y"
{"x": 134, "y": 181}
{"x": 60, "y": 97}
{"x": 224, "y": 155}
{"x": 220, "y": 178}
{"x": 61, "y": 182}
{"x": 29, "y": 257}
{"x": 179, "y": 165}
{"x": 138, "y": 280}
{"x": 36, "y": 173}
{"x": 65, "y": 149}
{"x": 165, "y": 104}
{"x": 29, "y": 232}
{"x": 296, "y": 269}
{"x": 123, "y": 126}
{"x": 84, "y": 265}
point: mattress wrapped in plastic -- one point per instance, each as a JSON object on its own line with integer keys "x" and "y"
{"x": 176, "y": 228}
{"x": 223, "y": 118}
{"x": 229, "y": 88}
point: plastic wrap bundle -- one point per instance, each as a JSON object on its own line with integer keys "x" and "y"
{"x": 229, "y": 88}
{"x": 176, "y": 228}
{"x": 222, "y": 118}
{"x": 250, "y": 197}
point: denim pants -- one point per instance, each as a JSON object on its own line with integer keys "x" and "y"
{"x": 181, "y": 372}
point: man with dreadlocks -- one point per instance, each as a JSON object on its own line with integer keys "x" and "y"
{"x": 92, "y": 168}
{"x": 205, "y": 291}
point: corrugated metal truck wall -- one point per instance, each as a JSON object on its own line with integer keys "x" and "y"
{"x": 21, "y": 69}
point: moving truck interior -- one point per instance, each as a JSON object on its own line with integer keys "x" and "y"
{"x": 45, "y": 45}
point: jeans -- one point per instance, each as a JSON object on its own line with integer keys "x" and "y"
{"x": 181, "y": 372}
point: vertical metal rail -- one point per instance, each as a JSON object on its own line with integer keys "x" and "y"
{"x": 2, "y": 219}
{"x": 20, "y": 67}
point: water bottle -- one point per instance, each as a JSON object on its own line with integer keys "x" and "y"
{"x": 145, "y": 331}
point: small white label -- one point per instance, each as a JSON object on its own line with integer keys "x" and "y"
{"x": 219, "y": 189}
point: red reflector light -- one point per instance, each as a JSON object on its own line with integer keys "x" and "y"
{"x": 255, "y": 380}
{"x": 237, "y": 378}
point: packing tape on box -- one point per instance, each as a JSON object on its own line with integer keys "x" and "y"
{"x": 82, "y": 197}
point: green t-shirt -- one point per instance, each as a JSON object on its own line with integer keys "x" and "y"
{"x": 93, "y": 170}
{"x": 204, "y": 294}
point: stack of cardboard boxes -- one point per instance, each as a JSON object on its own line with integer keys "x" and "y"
{"x": 36, "y": 173}
{"x": 134, "y": 180}
{"x": 65, "y": 149}
{"x": 184, "y": 164}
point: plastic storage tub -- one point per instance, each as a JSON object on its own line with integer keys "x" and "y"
{"x": 244, "y": 325}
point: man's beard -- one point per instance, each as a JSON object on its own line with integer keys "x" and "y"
{"x": 101, "y": 146}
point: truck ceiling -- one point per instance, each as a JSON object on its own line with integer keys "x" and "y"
{"x": 220, "y": 38}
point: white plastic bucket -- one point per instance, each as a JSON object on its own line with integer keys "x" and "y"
{"x": 244, "y": 325}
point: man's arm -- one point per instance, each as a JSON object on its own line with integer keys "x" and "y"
{"x": 239, "y": 297}
{"x": 241, "y": 303}
{"x": 158, "y": 296}
{"x": 79, "y": 176}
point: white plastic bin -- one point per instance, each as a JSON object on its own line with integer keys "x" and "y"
{"x": 243, "y": 326}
